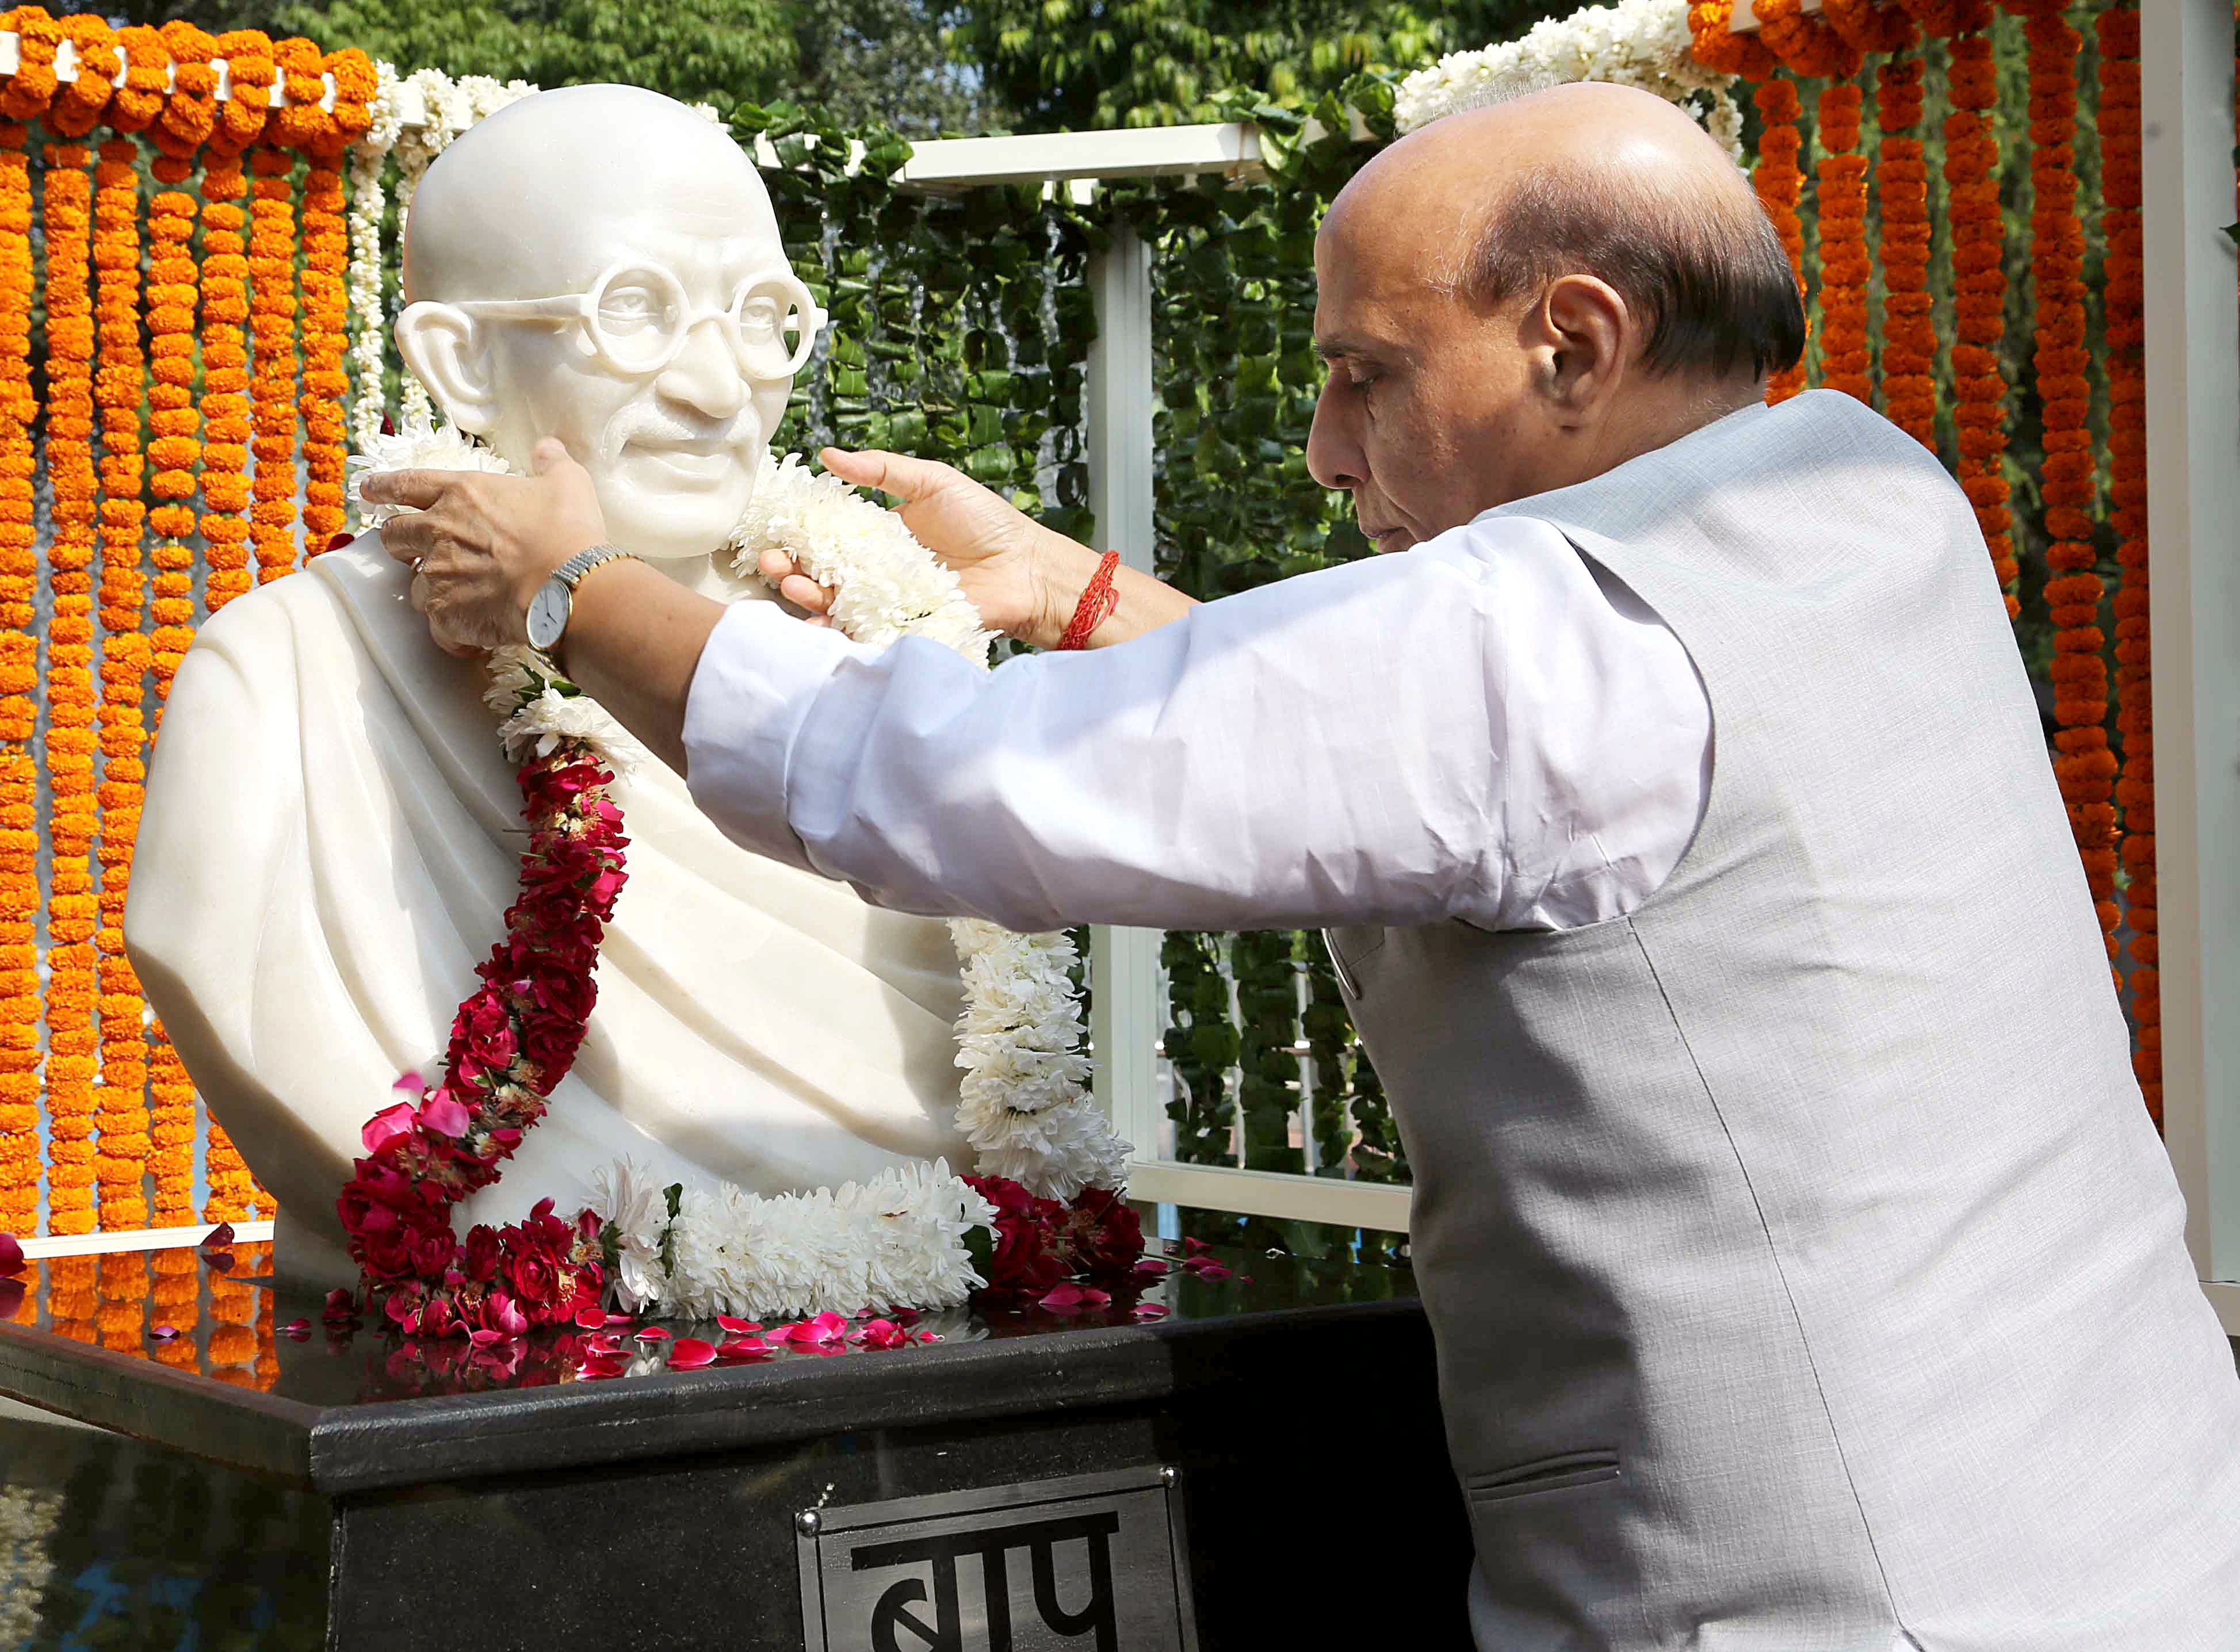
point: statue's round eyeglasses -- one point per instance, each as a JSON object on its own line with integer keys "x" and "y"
{"x": 637, "y": 319}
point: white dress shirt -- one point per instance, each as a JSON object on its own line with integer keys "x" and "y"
{"x": 1486, "y": 727}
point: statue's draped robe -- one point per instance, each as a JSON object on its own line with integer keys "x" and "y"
{"x": 330, "y": 840}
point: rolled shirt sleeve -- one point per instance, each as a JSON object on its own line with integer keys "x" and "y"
{"x": 1330, "y": 749}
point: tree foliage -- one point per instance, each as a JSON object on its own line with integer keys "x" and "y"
{"x": 1078, "y": 64}
{"x": 859, "y": 61}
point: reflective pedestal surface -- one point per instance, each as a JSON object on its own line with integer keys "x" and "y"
{"x": 253, "y": 1481}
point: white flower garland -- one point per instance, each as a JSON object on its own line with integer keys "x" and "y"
{"x": 1635, "y": 43}
{"x": 1022, "y": 1102}
{"x": 897, "y": 1241}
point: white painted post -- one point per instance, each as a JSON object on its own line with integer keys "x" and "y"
{"x": 1130, "y": 1013}
{"x": 2193, "y": 523}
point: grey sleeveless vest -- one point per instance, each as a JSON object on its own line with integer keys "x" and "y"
{"x": 1804, "y": 1269}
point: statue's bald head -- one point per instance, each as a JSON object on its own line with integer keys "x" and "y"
{"x": 600, "y": 160}
{"x": 1600, "y": 180}
{"x": 655, "y": 222}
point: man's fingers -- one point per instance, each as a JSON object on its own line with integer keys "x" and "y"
{"x": 409, "y": 539}
{"x": 416, "y": 489}
{"x": 895, "y": 473}
{"x": 804, "y": 593}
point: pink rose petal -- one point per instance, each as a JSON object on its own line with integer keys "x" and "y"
{"x": 163, "y": 1333}
{"x": 443, "y": 1114}
{"x": 690, "y": 1353}
{"x": 812, "y": 1333}
{"x": 604, "y": 1365}
{"x": 298, "y": 1329}
{"x": 882, "y": 1333}
{"x": 737, "y": 1326}
{"x": 410, "y": 1082}
{"x": 388, "y": 1124}
{"x": 1150, "y": 1310}
{"x": 743, "y": 1348}
{"x": 652, "y": 1334}
{"x": 1149, "y": 1267}
{"x": 1059, "y": 1297}
{"x": 11, "y": 1255}
{"x": 591, "y": 1318}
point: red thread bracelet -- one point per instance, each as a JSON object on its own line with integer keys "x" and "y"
{"x": 1098, "y": 602}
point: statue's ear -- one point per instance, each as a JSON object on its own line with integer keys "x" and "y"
{"x": 446, "y": 350}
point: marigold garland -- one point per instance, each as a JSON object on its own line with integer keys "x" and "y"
{"x": 69, "y": 746}
{"x": 2085, "y": 766}
{"x": 188, "y": 118}
{"x": 1805, "y": 43}
{"x": 31, "y": 90}
{"x": 2124, "y": 308}
{"x": 272, "y": 383}
{"x": 121, "y": 388}
{"x": 1717, "y": 46}
{"x": 1845, "y": 267}
{"x": 21, "y": 1156}
{"x": 78, "y": 103}
{"x": 1780, "y": 185}
{"x": 138, "y": 99}
{"x": 1870, "y": 26}
{"x": 226, "y": 425}
{"x": 1902, "y": 187}
{"x": 1979, "y": 281}
{"x": 175, "y": 422}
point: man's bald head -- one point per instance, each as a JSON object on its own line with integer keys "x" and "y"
{"x": 1600, "y": 180}
{"x": 602, "y": 159}
{"x": 1520, "y": 298}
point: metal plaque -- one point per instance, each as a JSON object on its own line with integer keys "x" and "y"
{"x": 1089, "y": 1563}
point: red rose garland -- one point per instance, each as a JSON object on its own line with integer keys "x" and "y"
{"x": 511, "y": 1042}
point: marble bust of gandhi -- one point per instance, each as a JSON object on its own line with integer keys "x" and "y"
{"x": 331, "y": 831}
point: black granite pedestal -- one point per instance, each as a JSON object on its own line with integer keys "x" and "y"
{"x": 1263, "y": 1468}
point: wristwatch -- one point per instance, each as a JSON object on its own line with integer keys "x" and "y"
{"x": 555, "y": 600}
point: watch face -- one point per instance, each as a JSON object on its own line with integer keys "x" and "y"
{"x": 548, "y": 614}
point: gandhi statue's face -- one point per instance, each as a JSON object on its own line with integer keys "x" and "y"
{"x": 602, "y": 266}
{"x": 671, "y": 444}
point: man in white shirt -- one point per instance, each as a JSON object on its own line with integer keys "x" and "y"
{"x": 1804, "y": 1271}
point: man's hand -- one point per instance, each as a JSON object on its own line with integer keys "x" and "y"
{"x": 1013, "y": 570}
{"x": 480, "y": 545}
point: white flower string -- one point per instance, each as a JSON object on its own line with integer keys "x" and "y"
{"x": 1635, "y": 43}
{"x": 895, "y": 1240}
{"x": 368, "y": 201}
{"x": 448, "y": 107}
{"x": 1022, "y": 1102}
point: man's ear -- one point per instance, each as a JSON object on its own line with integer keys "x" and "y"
{"x": 446, "y": 350}
{"x": 1589, "y": 330}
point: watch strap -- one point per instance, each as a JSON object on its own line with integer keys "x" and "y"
{"x": 570, "y": 573}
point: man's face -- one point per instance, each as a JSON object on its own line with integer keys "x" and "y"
{"x": 672, "y": 452}
{"x": 1428, "y": 417}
